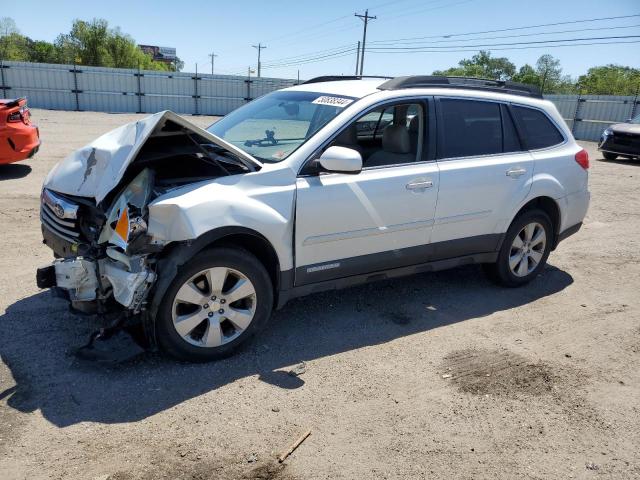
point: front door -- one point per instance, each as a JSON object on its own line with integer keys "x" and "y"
{"x": 376, "y": 220}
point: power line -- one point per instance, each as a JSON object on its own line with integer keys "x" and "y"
{"x": 341, "y": 50}
{"x": 365, "y": 18}
{"x": 305, "y": 55}
{"x": 618, "y": 37}
{"x": 420, "y": 10}
{"x": 461, "y": 49}
{"x": 507, "y": 36}
{"x": 449, "y": 35}
{"x": 338, "y": 54}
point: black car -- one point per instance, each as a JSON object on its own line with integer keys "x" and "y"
{"x": 621, "y": 139}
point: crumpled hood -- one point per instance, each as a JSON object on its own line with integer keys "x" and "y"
{"x": 95, "y": 169}
{"x": 626, "y": 128}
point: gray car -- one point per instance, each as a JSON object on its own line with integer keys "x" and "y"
{"x": 621, "y": 139}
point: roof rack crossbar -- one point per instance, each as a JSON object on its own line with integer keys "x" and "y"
{"x": 470, "y": 83}
{"x": 336, "y": 78}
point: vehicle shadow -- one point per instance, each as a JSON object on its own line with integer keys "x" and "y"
{"x": 38, "y": 336}
{"x": 13, "y": 171}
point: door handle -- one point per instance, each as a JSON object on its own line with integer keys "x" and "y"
{"x": 516, "y": 172}
{"x": 420, "y": 184}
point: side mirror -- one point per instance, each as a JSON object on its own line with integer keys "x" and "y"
{"x": 341, "y": 160}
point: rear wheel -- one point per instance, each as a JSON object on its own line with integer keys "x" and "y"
{"x": 609, "y": 156}
{"x": 524, "y": 251}
{"x": 218, "y": 301}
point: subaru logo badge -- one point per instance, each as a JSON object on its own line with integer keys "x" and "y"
{"x": 58, "y": 210}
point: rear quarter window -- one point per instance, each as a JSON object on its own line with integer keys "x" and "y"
{"x": 537, "y": 130}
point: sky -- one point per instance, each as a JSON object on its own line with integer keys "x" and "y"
{"x": 320, "y": 37}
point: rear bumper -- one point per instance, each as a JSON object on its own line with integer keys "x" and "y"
{"x": 18, "y": 143}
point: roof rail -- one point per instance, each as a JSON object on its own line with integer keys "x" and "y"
{"x": 471, "y": 83}
{"x": 335, "y": 78}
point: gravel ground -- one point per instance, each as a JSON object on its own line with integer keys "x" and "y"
{"x": 436, "y": 376}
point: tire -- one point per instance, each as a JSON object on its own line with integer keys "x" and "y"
{"x": 196, "y": 323}
{"x": 533, "y": 256}
{"x": 609, "y": 156}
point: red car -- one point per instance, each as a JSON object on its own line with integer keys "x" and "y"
{"x": 18, "y": 138}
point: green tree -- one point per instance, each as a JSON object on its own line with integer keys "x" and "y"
{"x": 610, "y": 80}
{"x": 527, "y": 74}
{"x": 42, "y": 52}
{"x": 482, "y": 65}
{"x": 91, "y": 39}
{"x": 549, "y": 72}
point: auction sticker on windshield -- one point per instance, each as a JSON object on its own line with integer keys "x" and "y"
{"x": 333, "y": 101}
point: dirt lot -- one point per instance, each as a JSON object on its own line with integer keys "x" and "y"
{"x": 437, "y": 376}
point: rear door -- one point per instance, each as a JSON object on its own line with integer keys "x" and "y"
{"x": 484, "y": 171}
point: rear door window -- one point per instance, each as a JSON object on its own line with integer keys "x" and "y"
{"x": 537, "y": 130}
{"x": 469, "y": 128}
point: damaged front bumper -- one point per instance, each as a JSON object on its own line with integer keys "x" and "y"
{"x": 97, "y": 269}
{"x": 87, "y": 282}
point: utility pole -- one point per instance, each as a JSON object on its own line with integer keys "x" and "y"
{"x": 358, "y": 57}
{"x": 213, "y": 56}
{"x": 259, "y": 47}
{"x": 365, "y": 18}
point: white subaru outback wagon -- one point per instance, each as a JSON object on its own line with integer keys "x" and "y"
{"x": 199, "y": 234}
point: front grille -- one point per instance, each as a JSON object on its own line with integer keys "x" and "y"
{"x": 626, "y": 141}
{"x": 66, "y": 228}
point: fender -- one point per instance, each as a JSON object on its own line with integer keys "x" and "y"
{"x": 190, "y": 212}
{"x": 542, "y": 185}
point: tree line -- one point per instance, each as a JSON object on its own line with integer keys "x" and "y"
{"x": 87, "y": 43}
{"x": 547, "y": 74}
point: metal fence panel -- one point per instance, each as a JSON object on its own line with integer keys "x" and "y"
{"x": 589, "y": 115}
{"x": 69, "y": 87}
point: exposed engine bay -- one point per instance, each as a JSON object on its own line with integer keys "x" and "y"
{"x": 106, "y": 258}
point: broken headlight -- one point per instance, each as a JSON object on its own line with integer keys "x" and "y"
{"x": 126, "y": 219}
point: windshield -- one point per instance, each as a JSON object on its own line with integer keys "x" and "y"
{"x": 273, "y": 126}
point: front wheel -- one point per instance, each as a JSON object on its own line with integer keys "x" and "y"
{"x": 524, "y": 251}
{"x": 217, "y": 302}
{"x": 609, "y": 156}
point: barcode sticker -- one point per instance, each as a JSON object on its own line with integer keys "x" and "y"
{"x": 333, "y": 101}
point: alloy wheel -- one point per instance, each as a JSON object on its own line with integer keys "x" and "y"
{"x": 214, "y": 307}
{"x": 527, "y": 249}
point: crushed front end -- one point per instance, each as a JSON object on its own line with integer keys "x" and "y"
{"x": 95, "y": 210}
{"x": 103, "y": 261}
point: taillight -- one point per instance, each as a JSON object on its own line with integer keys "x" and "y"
{"x": 582, "y": 157}
{"x": 21, "y": 115}
{"x": 14, "y": 117}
